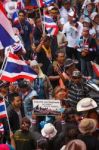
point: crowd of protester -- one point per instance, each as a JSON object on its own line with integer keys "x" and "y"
{"x": 63, "y": 64}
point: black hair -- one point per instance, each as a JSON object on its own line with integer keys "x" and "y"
{"x": 42, "y": 144}
{"x": 12, "y": 96}
{"x": 58, "y": 52}
{"x": 22, "y": 11}
{"x": 26, "y": 120}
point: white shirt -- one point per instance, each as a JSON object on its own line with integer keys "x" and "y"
{"x": 72, "y": 33}
{"x": 64, "y": 13}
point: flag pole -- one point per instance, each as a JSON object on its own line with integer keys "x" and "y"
{"x": 7, "y": 116}
{"x": 40, "y": 15}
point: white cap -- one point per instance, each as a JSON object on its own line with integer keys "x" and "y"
{"x": 93, "y": 15}
{"x": 50, "y": 7}
{"x": 71, "y": 13}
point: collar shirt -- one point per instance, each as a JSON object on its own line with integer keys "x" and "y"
{"x": 72, "y": 33}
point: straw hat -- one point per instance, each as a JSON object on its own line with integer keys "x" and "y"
{"x": 75, "y": 145}
{"x": 87, "y": 125}
{"x": 86, "y": 104}
{"x": 48, "y": 131}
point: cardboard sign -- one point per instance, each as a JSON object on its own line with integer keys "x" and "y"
{"x": 46, "y": 107}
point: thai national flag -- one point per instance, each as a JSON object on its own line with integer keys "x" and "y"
{"x": 17, "y": 69}
{"x": 3, "y": 113}
{"x": 49, "y": 2}
{"x": 7, "y": 36}
{"x": 50, "y": 25}
{"x": 15, "y": 18}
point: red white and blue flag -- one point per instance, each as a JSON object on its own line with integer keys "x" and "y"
{"x": 50, "y": 25}
{"x": 3, "y": 113}
{"x": 15, "y": 18}
{"x": 1, "y": 128}
{"x": 7, "y": 35}
{"x": 17, "y": 69}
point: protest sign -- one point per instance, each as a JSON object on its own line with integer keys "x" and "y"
{"x": 46, "y": 107}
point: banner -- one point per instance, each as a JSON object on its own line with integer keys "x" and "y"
{"x": 46, "y": 107}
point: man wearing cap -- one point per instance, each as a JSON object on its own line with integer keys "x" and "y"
{"x": 77, "y": 88}
{"x": 65, "y": 9}
{"x": 27, "y": 96}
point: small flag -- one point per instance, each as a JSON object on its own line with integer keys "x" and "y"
{"x": 17, "y": 69}
{"x": 95, "y": 68}
{"x": 50, "y": 25}
{"x": 15, "y": 18}
{"x": 1, "y": 128}
{"x": 3, "y": 113}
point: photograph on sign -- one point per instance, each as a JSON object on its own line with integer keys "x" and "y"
{"x": 46, "y": 107}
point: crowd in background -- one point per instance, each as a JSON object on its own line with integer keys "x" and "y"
{"x": 63, "y": 64}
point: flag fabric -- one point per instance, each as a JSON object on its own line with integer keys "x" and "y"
{"x": 48, "y": 2}
{"x": 15, "y": 18}
{"x": 17, "y": 69}
{"x": 95, "y": 68}
{"x": 20, "y": 4}
{"x": 7, "y": 35}
{"x": 37, "y": 3}
{"x": 50, "y": 25}
{"x": 40, "y": 3}
{"x": 1, "y": 128}
{"x": 3, "y": 113}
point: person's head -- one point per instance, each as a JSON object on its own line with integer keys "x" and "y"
{"x": 71, "y": 17}
{"x": 95, "y": 17}
{"x": 16, "y": 100}
{"x": 76, "y": 76}
{"x": 38, "y": 22}
{"x": 86, "y": 22}
{"x": 85, "y": 32}
{"x": 87, "y": 126}
{"x": 25, "y": 125}
{"x": 60, "y": 57}
{"x": 93, "y": 114}
{"x": 70, "y": 115}
{"x": 42, "y": 144}
{"x": 49, "y": 131}
{"x": 22, "y": 15}
{"x": 90, "y": 6}
{"x": 76, "y": 145}
{"x": 35, "y": 66}
{"x": 67, "y": 4}
{"x": 60, "y": 93}
{"x": 17, "y": 49}
{"x": 4, "y": 87}
{"x": 53, "y": 11}
{"x": 23, "y": 86}
{"x": 70, "y": 65}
